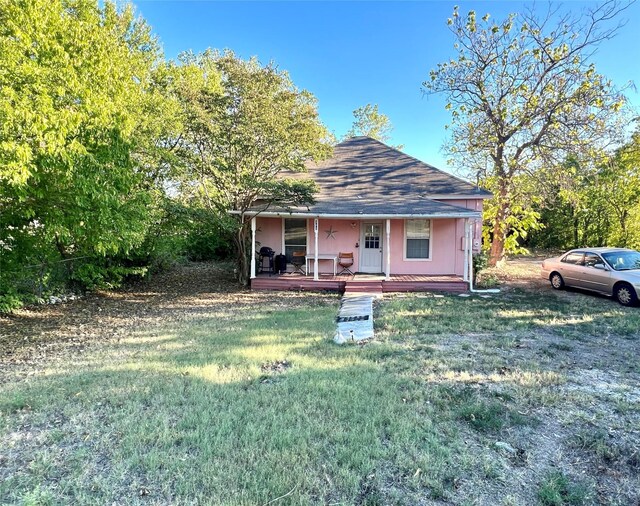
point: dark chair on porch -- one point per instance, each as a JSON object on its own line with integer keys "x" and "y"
{"x": 345, "y": 261}
{"x": 298, "y": 260}
{"x": 266, "y": 253}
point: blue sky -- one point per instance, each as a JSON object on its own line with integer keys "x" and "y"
{"x": 349, "y": 54}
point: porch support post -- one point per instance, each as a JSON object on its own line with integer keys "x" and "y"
{"x": 388, "y": 248}
{"x": 315, "y": 253}
{"x": 253, "y": 248}
{"x": 465, "y": 246}
{"x": 470, "y": 275}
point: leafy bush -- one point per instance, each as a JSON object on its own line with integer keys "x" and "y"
{"x": 480, "y": 262}
{"x": 209, "y": 238}
{"x": 487, "y": 281}
{"x": 32, "y": 267}
{"x": 185, "y": 231}
{"x": 10, "y": 302}
{"x": 91, "y": 276}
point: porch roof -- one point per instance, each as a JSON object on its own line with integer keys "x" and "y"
{"x": 356, "y": 206}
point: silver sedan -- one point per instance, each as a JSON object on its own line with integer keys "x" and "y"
{"x": 611, "y": 271}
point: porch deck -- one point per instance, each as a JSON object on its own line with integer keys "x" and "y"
{"x": 396, "y": 283}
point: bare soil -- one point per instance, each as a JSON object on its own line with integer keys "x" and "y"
{"x": 589, "y": 423}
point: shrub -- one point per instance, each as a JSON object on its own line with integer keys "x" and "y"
{"x": 10, "y": 302}
{"x": 480, "y": 262}
{"x": 487, "y": 281}
{"x": 91, "y": 276}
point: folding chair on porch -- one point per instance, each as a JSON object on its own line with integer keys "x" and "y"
{"x": 299, "y": 259}
{"x": 345, "y": 261}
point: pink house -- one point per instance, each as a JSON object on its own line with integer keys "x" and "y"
{"x": 408, "y": 225}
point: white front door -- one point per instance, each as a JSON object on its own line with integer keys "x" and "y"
{"x": 371, "y": 248}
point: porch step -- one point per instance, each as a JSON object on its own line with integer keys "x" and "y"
{"x": 374, "y": 287}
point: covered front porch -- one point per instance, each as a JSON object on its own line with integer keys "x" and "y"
{"x": 416, "y": 252}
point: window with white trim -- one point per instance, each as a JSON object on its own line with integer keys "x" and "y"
{"x": 417, "y": 235}
{"x": 295, "y": 236}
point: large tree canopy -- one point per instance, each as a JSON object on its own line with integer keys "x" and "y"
{"x": 75, "y": 100}
{"x": 82, "y": 118}
{"x": 595, "y": 205}
{"x": 245, "y": 125}
{"x": 523, "y": 95}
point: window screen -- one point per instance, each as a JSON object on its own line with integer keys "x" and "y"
{"x": 418, "y": 235}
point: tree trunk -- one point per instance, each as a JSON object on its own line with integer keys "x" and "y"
{"x": 243, "y": 258}
{"x": 623, "y": 228}
{"x": 497, "y": 245}
{"x": 500, "y": 228}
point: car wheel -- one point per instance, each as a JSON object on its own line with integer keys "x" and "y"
{"x": 625, "y": 294}
{"x": 556, "y": 281}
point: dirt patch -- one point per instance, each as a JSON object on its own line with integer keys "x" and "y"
{"x": 578, "y": 393}
{"x": 585, "y": 390}
{"x": 598, "y": 399}
{"x": 277, "y": 366}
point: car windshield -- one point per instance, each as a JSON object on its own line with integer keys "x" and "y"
{"x": 623, "y": 260}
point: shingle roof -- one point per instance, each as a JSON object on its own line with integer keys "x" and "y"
{"x": 366, "y": 177}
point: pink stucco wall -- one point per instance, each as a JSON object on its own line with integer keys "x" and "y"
{"x": 269, "y": 233}
{"x": 476, "y": 205}
{"x": 447, "y": 256}
{"x": 344, "y": 239}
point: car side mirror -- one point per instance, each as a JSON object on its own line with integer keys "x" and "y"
{"x": 602, "y": 267}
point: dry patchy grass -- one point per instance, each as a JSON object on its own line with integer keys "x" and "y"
{"x": 189, "y": 390}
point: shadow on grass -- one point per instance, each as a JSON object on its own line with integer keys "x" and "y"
{"x": 193, "y": 411}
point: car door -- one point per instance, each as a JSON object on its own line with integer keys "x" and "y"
{"x": 571, "y": 268}
{"x": 596, "y": 275}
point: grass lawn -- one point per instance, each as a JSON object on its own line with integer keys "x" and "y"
{"x": 212, "y": 395}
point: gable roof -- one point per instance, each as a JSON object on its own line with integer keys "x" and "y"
{"x": 367, "y": 177}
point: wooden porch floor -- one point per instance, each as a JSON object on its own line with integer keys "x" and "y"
{"x": 396, "y": 283}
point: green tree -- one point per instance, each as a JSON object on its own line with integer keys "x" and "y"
{"x": 368, "y": 121}
{"x": 246, "y": 127}
{"x": 620, "y": 179}
{"x": 524, "y": 96}
{"x": 594, "y": 205}
{"x": 79, "y": 110}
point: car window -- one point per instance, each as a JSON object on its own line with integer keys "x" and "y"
{"x": 573, "y": 258}
{"x": 591, "y": 260}
{"x": 623, "y": 260}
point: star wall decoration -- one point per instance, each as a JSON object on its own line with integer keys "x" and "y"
{"x": 331, "y": 233}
